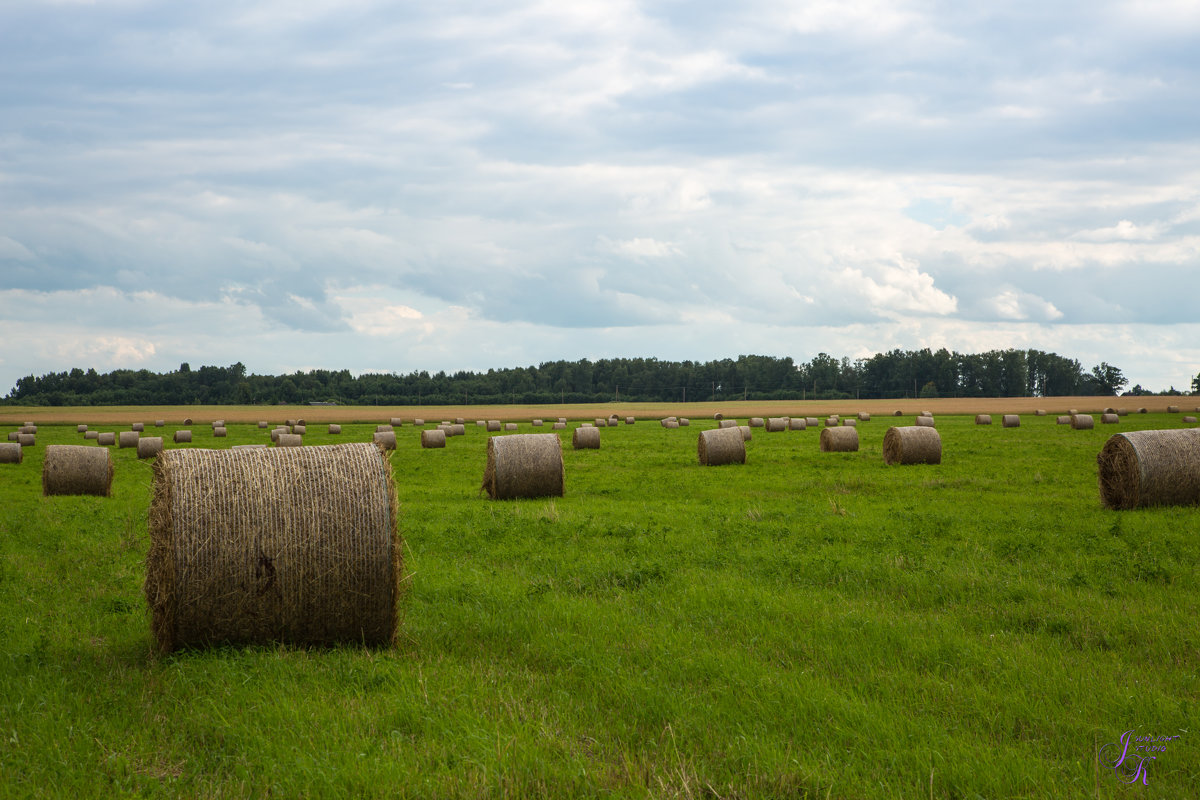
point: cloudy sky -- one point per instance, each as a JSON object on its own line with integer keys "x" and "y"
{"x": 470, "y": 184}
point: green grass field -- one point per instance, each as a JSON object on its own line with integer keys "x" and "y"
{"x": 805, "y": 625}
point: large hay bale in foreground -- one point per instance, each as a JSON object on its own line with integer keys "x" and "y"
{"x": 1150, "y": 468}
{"x": 524, "y": 465}
{"x": 1109, "y": 419}
{"x": 183, "y": 436}
{"x": 586, "y": 438}
{"x": 11, "y": 453}
{"x": 1010, "y": 421}
{"x": 108, "y": 439}
{"x": 721, "y": 446}
{"x": 128, "y": 439}
{"x": 77, "y": 469}
{"x": 149, "y": 446}
{"x": 262, "y": 545}
{"x": 1082, "y": 422}
{"x": 839, "y": 440}
{"x": 917, "y": 444}
{"x": 983, "y": 419}
{"x": 434, "y": 438}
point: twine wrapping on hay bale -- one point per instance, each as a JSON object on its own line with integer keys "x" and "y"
{"x": 757, "y": 422}
{"x": 586, "y": 438}
{"x": 525, "y": 465}
{"x": 76, "y": 469}
{"x": 912, "y": 445}
{"x": 433, "y": 438}
{"x": 290, "y": 440}
{"x": 384, "y": 439}
{"x": 727, "y": 423}
{"x": 839, "y": 440}
{"x": 1082, "y": 422}
{"x": 983, "y": 419}
{"x": 183, "y": 436}
{"x": 558, "y": 426}
{"x": 81, "y": 428}
{"x": 493, "y": 425}
{"x": 1150, "y": 468}
{"x": 747, "y": 434}
{"x": 721, "y": 446}
{"x": 91, "y": 434}
{"x": 1010, "y": 421}
{"x": 925, "y": 422}
{"x": 510, "y": 426}
{"x": 1065, "y": 419}
{"x": 26, "y": 439}
{"x": 149, "y": 446}
{"x": 335, "y": 428}
{"x": 1109, "y": 419}
{"x": 797, "y": 423}
{"x": 220, "y": 433}
{"x": 128, "y": 439}
{"x": 776, "y": 424}
{"x": 251, "y": 546}
{"x": 11, "y": 453}
{"x": 108, "y": 439}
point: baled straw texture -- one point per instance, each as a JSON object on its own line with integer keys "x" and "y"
{"x": 149, "y": 446}
{"x": 277, "y": 432}
{"x": 128, "y": 439}
{"x": 1041, "y": 412}
{"x": 811, "y": 422}
{"x": 672, "y": 424}
{"x": 335, "y": 428}
{"x": 525, "y": 465}
{"x": 107, "y": 438}
{"x": 613, "y": 422}
{"x": 926, "y": 422}
{"x": 797, "y": 423}
{"x": 81, "y": 428}
{"x": 1150, "y": 468}
{"x": 537, "y": 423}
{"x": 251, "y": 546}
{"x": 601, "y": 422}
{"x": 1082, "y": 422}
{"x": 683, "y": 422}
{"x": 586, "y": 439}
{"x": 76, "y": 469}
{"x": 721, "y": 446}
{"x": 11, "y": 453}
{"x": 776, "y": 424}
{"x": 433, "y": 438}
{"x": 831, "y": 422}
{"x": 1190, "y": 420}
{"x": 727, "y": 423}
{"x": 459, "y": 421}
{"x": 839, "y": 440}
{"x": 183, "y": 436}
{"x": 510, "y": 426}
{"x": 396, "y": 422}
{"x": 864, "y": 416}
{"x": 138, "y": 426}
{"x": 220, "y": 432}
{"x": 220, "y": 423}
{"x": 1108, "y": 410}
{"x": 493, "y": 425}
{"x": 849, "y": 422}
{"x": 912, "y": 445}
{"x": 1065, "y": 419}
{"x": 1109, "y": 419}
{"x": 983, "y": 419}
{"x": 630, "y": 420}
{"x": 418, "y": 421}
{"x": 289, "y": 440}
{"x": 300, "y": 429}
{"x": 757, "y": 422}
{"x": 897, "y": 413}
{"x": 1010, "y": 421}
{"x": 28, "y": 429}
{"x": 262, "y": 423}
{"x": 926, "y": 413}
{"x": 26, "y": 439}
{"x": 158, "y": 423}
{"x": 747, "y": 434}
{"x": 384, "y": 439}
{"x": 91, "y": 434}
{"x": 457, "y": 429}
{"x": 248, "y": 447}
{"x": 1172, "y": 409}
{"x": 558, "y": 426}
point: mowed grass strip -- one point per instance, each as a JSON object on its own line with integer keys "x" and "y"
{"x": 806, "y": 624}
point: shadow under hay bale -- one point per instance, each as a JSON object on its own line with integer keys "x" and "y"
{"x": 525, "y": 465}
{"x": 11, "y": 453}
{"x": 434, "y": 438}
{"x": 983, "y": 419}
{"x": 839, "y": 440}
{"x": 1150, "y": 468}
{"x": 912, "y": 445}
{"x": 1010, "y": 421}
{"x": 721, "y": 446}
{"x": 183, "y": 437}
{"x": 253, "y": 546}
{"x": 586, "y": 439}
{"x": 76, "y": 469}
{"x": 149, "y": 446}
{"x": 1082, "y": 422}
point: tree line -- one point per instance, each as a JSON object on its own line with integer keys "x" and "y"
{"x": 895, "y": 374}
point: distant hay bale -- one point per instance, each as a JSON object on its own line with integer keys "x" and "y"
{"x": 727, "y": 423}
{"x": 107, "y": 439}
{"x": 613, "y": 422}
{"x": 510, "y": 426}
{"x": 683, "y": 422}
{"x": 586, "y": 439}
{"x": 28, "y": 429}
{"x": 1189, "y": 420}
{"x": 831, "y": 422}
{"x": 220, "y": 433}
{"x": 149, "y": 446}
{"x": 925, "y": 422}
{"x": 335, "y": 428}
{"x": 1150, "y": 468}
{"x": 525, "y": 465}
{"x": 630, "y": 420}
{"x": 601, "y": 422}
{"x": 1064, "y": 419}
{"x": 776, "y": 424}
{"x": 864, "y": 416}
{"x": 558, "y": 426}
{"x": 480, "y": 422}
{"x": 457, "y": 429}
{"x": 396, "y": 422}
{"x": 897, "y": 413}
{"x": 183, "y": 437}
{"x": 849, "y": 422}
{"x": 1072, "y": 411}
{"x": 912, "y": 445}
{"x": 839, "y": 440}
{"x": 718, "y": 416}
{"x": 1082, "y": 422}
{"x": 128, "y": 439}
{"x": 12, "y": 435}
{"x": 1122, "y": 412}
{"x": 672, "y": 423}
{"x": 220, "y": 423}
{"x": 459, "y": 421}
{"x": 1010, "y": 421}
{"x": 756, "y": 422}
{"x": 1142, "y": 410}
{"x": 493, "y": 425}
{"x": 291, "y": 440}
{"x": 81, "y": 428}
{"x": 158, "y": 423}
{"x": 299, "y": 422}
{"x": 433, "y": 438}
{"x": 187, "y": 421}
{"x": 298, "y": 546}
{"x": 563, "y": 420}
{"x": 11, "y": 453}
{"x": 926, "y": 413}
{"x": 76, "y": 469}
{"x": 721, "y": 446}
{"x": 537, "y": 423}
{"x": 300, "y": 430}
{"x": 91, "y": 434}
{"x": 1041, "y": 412}
{"x": 747, "y": 434}
{"x": 797, "y": 423}
{"x": 382, "y": 428}
{"x": 1109, "y": 419}
{"x": 26, "y": 439}
{"x": 262, "y": 423}
{"x": 811, "y": 422}
{"x": 1172, "y": 409}
{"x": 1108, "y": 410}
{"x": 277, "y": 432}
{"x": 385, "y": 439}
{"x": 983, "y": 419}
{"x": 418, "y": 421}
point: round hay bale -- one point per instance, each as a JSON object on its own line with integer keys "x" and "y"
{"x": 262, "y": 423}
{"x": 525, "y": 465}
{"x": 76, "y": 469}
{"x": 12, "y": 435}
{"x": 747, "y": 434}
{"x": 630, "y": 420}
{"x": 220, "y": 433}
{"x": 396, "y": 422}
{"x": 335, "y": 428}
{"x": 811, "y": 422}
{"x": 28, "y": 424}
{"x": 718, "y": 416}
{"x": 1082, "y": 422}
{"x": 1109, "y": 419}
{"x": 459, "y": 421}
{"x": 510, "y": 426}
{"x": 249, "y": 447}
{"x": 81, "y": 428}
{"x": 298, "y": 546}
{"x": 558, "y": 426}
{"x": 1065, "y": 419}
{"x": 1010, "y": 421}
{"x": 672, "y": 424}
{"x": 26, "y": 439}
{"x": 1150, "y": 468}
{"x": 776, "y": 424}
{"x": 433, "y": 438}
{"x": 831, "y": 422}
{"x": 983, "y": 419}
{"x": 187, "y": 421}
{"x": 563, "y": 420}
{"x": 1172, "y": 409}
{"x": 183, "y": 436}
{"x": 418, "y": 421}
{"x": 797, "y": 423}
{"x": 849, "y": 423}
{"x": 149, "y": 446}
{"x": 1190, "y": 420}
{"x": 839, "y": 440}
{"x": 1122, "y": 412}
{"x": 721, "y": 446}
{"x": 159, "y": 423}
{"x": 457, "y": 429}
{"x": 613, "y": 422}
{"x": 756, "y": 422}
{"x": 107, "y": 439}
{"x": 11, "y": 453}
{"x": 912, "y": 445}
{"x": 663, "y": 422}
{"x": 897, "y": 413}
{"x": 28, "y": 429}
{"x": 1041, "y": 412}
{"x": 299, "y": 422}
{"x": 601, "y": 422}
{"x": 91, "y": 434}
{"x": 300, "y": 430}
{"x": 537, "y": 423}
{"x": 385, "y": 439}
{"x": 926, "y": 413}
{"x": 586, "y": 438}
{"x": 1108, "y": 410}
{"x": 138, "y": 426}
{"x": 128, "y": 439}
{"x": 218, "y": 423}
{"x": 277, "y": 432}
{"x": 864, "y": 416}
{"x": 1072, "y": 411}
{"x": 1142, "y": 410}
{"x": 925, "y": 422}
{"x": 382, "y": 428}
{"x": 481, "y": 423}
{"x": 683, "y": 422}
{"x": 727, "y": 423}
{"x": 289, "y": 440}
{"x": 493, "y": 425}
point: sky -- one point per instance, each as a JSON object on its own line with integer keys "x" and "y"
{"x": 462, "y": 185}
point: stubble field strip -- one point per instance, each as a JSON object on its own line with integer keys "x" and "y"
{"x": 805, "y": 624}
